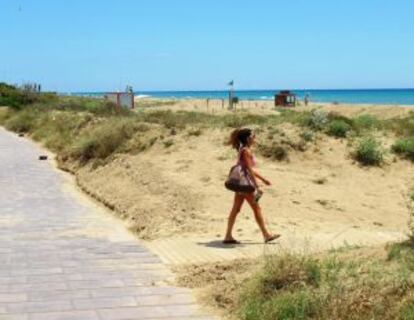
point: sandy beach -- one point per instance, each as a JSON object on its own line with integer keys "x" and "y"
{"x": 165, "y": 193}
{"x": 219, "y": 106}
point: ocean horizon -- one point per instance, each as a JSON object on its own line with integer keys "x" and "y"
{"x": 349, "y": 96}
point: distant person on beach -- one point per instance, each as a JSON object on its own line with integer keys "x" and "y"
{"x": 306, "y": 100}
{"x": 242, "y": 140}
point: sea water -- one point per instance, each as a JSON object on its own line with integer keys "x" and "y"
{"x": 360, "y": 96}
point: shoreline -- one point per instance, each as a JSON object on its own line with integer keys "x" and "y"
{"x": 216, "y": 106}
{"x": 380, "y": 96}
{"x": 271, "y": 101}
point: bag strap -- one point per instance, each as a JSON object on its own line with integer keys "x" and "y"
{"x": 239, "y": 160}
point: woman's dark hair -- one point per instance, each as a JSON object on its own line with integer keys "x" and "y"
{"x": 238, "y": 137}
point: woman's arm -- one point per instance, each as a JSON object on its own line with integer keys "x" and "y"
{"x": 257, "y": 175}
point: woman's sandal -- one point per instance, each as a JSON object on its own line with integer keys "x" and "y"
{"x": 271, "y": 238}
{"x": 232, "y": 241}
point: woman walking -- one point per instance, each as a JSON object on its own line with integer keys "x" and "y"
{"x": 242, "y": 140}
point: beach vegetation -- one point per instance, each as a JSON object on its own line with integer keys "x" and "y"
{"x": 307, "y": 135}
{"x": 196, "y": 132}
{"x": 404, "y": 147}
{"x": 410, "y": 206}
{"x": 168, "y": 143}
{"x": 366, "y": 122}
{"x": 152, "y": 103}
{"x": 330, "y": 287}
{"x": 338, "y": 128}
{"x": 16, "y": 98}
{"x": 317, "y": 119}
{"x": 102, "y": 141}
{"x": 274, "y": 151}
{"x": 403, "y": 126}
{"x": 22, "y": 122}
{"x": 407, "y": 310}
{"x": 369, "y": 151}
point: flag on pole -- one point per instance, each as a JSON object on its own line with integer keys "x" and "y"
{"x": 231, "y": 83}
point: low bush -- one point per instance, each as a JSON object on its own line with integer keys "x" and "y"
{"x": 401, "y": 126}
{"x": 301, "y": 287}
{"x": 196, "y": 132}
{"x": 338, "y": 128}
{"x": 274, "y": 151}
{"x": 369, "y": 152}
{"x": 365, "y": 122}
{"x": 404, "y": 147}
{"x": 168, "y": 143}
{"x": 407, "y": 310}
{"x": 403, "y": 253}
{"x": 410, "y": 205}
{"x": 307, "y": 135}
{"x": 17, "y": 98}
{"x": 317, "y": 119}
{"x": 103, "y": 140}
{"x": 22, "y": 121}
{"x": 239, "y": 120}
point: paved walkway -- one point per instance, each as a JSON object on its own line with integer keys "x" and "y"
{"x": 63, "y": 257}
{"x": 179, "y": 251}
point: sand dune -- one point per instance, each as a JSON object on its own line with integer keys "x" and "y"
{"x": 178, "y": 191}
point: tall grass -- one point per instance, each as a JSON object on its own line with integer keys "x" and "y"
{"x": 403, "y": 127}
{"x": 366, "y": 122}
{"x": 301, "y": 287}
{"x": 404, "y": 147}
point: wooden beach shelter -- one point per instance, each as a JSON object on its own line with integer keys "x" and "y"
{"x": 285, "y": 98}
{"x": 121, "y": 99}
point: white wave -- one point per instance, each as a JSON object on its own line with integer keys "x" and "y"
{"x": 142, "y": 96}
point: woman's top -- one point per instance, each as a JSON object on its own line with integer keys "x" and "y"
{"x": 240, "y": 157}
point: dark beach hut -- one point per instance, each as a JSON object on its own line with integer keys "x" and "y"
{"x": 285, "y": 98}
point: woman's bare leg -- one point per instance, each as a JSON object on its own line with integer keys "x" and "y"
{"x": 237, "y": 204}
{"x": 258, "y": 215}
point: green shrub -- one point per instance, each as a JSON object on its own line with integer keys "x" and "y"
{"x": 239, "y": 120}
{"x": 332, "y": 115}
{"x": 4, "y": 114}
{"x": 16, "y": 98}
{"x": 407, "y": 311}
{"x": 369, "y": 152}
{"x": 196, "y": 132}
{"x": 402, "y": 126}
{"x": 317, "y": 119}
{"x": 410, "y": 205}
{"x": 104, "y": 140}
{"x": 308, "y": 136}
{"x": 404, "y": 147}
{"x": 22, "y": 121}
{"x": 338, "y": 128}
{"x": 365, "y": 122}
{"x": 274, "y": 151}
{"x": 287, "y": 305}
{"x": 291, "y": 116}
{"x": 403, "y": 252}
{"x": 168, "y": 143}
{"x": 332, "y": 287}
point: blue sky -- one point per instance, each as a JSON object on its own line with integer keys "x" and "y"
{"x": 103, "y": 45}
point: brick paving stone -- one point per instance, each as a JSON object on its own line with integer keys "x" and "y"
{"x": 14, "y": 317}
{"x": 68, "y": 315}
{"x": 100, "y": 303}
{"x": 13, "y": 297}
{"x": 62, "y": 257}
{"x": 38, "y": 306}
